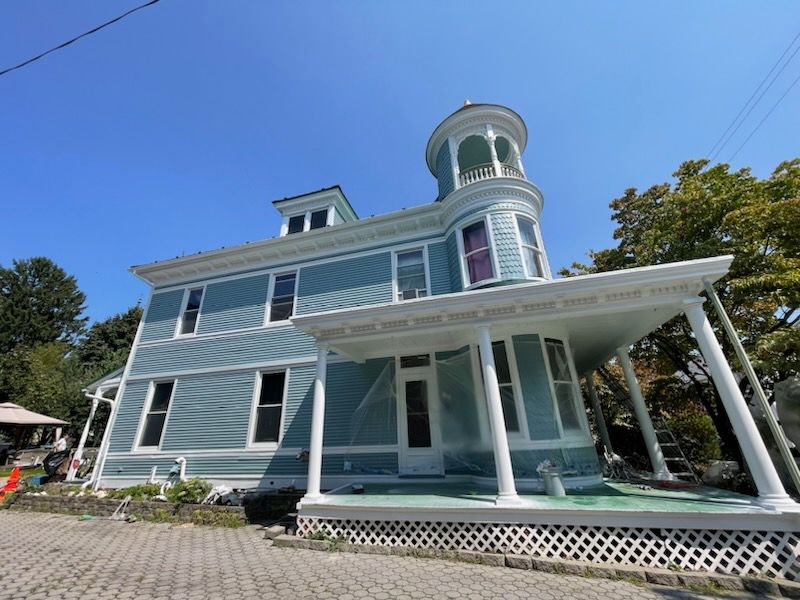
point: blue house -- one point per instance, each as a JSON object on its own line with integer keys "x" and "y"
{"x": 429, "y": 356}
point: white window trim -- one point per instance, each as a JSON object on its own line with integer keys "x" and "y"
{"x": 463, "y": 259}
{"x": 480, "y": 392}
{"x": 426, "y": 264}
{"x": 540, "y": 264}
{"x": 251, "y": 428}
{"x": 329, "y": 219}
{"x": 552, "y": 383}
{"x": 181, "y": 314}
{"x": 151, "y": 389}
{"x": 270, "y": 293}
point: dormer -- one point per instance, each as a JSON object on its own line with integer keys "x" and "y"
{"x": 316, "y": 210}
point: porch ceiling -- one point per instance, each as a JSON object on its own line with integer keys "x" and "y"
{"x": 599, "y": 313}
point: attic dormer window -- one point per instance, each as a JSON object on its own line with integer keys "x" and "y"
{"x": 307, "y": 221}
{"x": 296, "y": 224}
{"x": 319, "y": 218}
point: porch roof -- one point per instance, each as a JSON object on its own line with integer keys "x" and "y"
{"x": 599, "y": 312}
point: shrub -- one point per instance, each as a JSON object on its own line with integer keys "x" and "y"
{"x": 191, "y": 491}
{"x": 217, "y": 518}
{"x": 143, "y": 491}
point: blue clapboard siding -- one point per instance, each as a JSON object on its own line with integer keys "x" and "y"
{"x": 359, "y": 404}
{"x": 234, "y": 304}
{"x": 162, "y": 316}
{"x": 439, "y": 268}
{"x": 210, "y": 412}
{"x": 242, "y": 465}
{"x": 444, "y": 170}
{"x": 453, "y": 263}
{"x": 129, "y": 412}
{"x": 352, "y": 282}
{"x": 268, "y": 344}
{"x": 507, "y": 246}
{"x": 299, "y": 399}
{"x": 539, "y": 407}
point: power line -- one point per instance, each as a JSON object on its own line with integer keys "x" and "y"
{"x": 766, "y": 116}
{"x": 711, "y": 154}
{"x": 75, "y": 39}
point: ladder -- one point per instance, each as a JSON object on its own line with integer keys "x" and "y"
{"x": 676, "y": 460}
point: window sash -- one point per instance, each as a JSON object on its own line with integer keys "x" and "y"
{"x": 531, "y": 253}
{"x": 269, "y": 410}
{"x": 477, "y": 252}
{"x": 191, "y": 311}
{"x": 296, "y": 224}
{"x": 319, "y": 219}
{"x": 564, "y": 387}
{"x": 283, "y": 294}
{"x": 508, "y": 397}
{"x": 156, "y": 417}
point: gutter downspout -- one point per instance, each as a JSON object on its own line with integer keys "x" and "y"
{"x": 758, "y": 391}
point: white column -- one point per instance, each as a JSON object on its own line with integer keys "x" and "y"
{"x": 660, "y": 469}
{"x": 768, "y": 483}
{"x": 493, "y": 153}
{"x": 598, "y": 413}
{"x": 78, "y": 455}
{"x": 506, "y": 487}
{"x": 317, "y": 426}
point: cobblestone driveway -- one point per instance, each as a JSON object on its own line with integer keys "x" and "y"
{"x": 54, "y": 556}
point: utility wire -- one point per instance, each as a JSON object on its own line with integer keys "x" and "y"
{"x": 766, "y": 116}
{"x": 75, "y": 39}
{"x": 711, "y": 154}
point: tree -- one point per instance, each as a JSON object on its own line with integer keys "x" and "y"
{"x": 39, "y": 304}
{"x": 709, "y": 211}
{"x": 106, "y": 345}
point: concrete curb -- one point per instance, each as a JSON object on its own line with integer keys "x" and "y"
{"x": 695, "y": 580}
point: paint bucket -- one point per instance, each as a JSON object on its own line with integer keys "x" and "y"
{"x": 553, "y": 485}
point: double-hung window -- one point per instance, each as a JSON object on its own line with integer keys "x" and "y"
{"x": 564, "y": 387}
{"x": 411, "y": 280}
{"x": 269, "y": 409}
{"x": 283, "y": 293}
{"x": 156, "y": 417}
{"x": 191, "y": 311}
{"x": 506, "y": 385}
{"x": 477, "y": 252}
{"x": 531, "y": 253}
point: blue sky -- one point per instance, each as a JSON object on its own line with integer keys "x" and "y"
{"x": 172, "y": 131}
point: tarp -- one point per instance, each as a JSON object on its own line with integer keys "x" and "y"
{"x": 13, "y": 414}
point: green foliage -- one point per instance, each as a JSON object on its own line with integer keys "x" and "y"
{"x": 190, "y": 491}
{"x": 217, "y": 518}
{"x": 39, "y": 304}
{"x": 106, "y": 345}
{"x": 710, "y": 211}
{"x": 143, "y": 491}
{"x": 162, "y": 515}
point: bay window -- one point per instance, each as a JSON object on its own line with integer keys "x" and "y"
{"x": 477, "y": 252}
{"x": 564, "y": 387}
{"x": 529, "y": 245}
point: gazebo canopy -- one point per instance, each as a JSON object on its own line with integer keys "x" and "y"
{"x": 13, "y": 414}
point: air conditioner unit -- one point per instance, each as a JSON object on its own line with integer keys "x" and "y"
{"x": 411, "y": 294}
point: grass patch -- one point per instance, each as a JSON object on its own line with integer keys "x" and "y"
{"x": 6, "y": 471}
{"x": 217, "y": 518}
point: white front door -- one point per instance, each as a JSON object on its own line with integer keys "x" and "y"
{"x": 420, "y": 441}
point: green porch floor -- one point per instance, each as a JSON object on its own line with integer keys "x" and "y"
{"x": 608, "y": 496}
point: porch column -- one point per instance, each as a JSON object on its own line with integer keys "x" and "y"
{"x": 317, "y": 426}
{"x": 75, "y": 462}
{"x": 660, "y": 469}
{"x": 598, "y": 413}
{"x": 506, "y": 487}
{"x": 770, "y": 488}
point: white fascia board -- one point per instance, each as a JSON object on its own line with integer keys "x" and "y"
{"x": 694, "y": 271}
{"x": 307, "y": 245}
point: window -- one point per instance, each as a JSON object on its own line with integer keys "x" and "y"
{"x": 319, "y": 218}
{"x": 416, "y": 360}
{"x": 564, "y": 386}
{"x": 191, "y": 312}
{"x": 477, "y": 253}
{"x": 296, "y": 224}
{"x": 282, "y": 297}
{"x": 531, "y": 254}
{"x": 411, "y": 282}
{"x": 506, "y": 385}
{"x": 418, "y": 423}
{"x": 157, "y": 414}
{"x": 269, "y": 408}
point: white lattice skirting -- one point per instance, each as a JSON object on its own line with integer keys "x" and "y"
{"x": 771, "y": 553}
